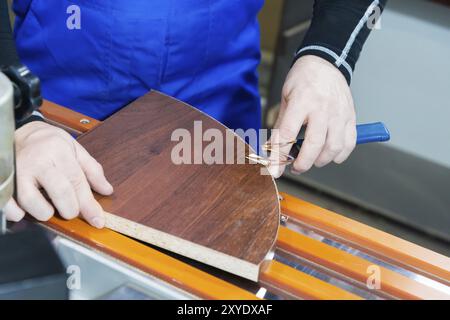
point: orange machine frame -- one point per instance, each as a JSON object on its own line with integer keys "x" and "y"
{"x": 277, "y": 276}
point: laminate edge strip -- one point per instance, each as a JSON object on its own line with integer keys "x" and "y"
{"x": 150, "y": 260}
{"x": 354, "y": 267}
{"x": 183, "y": 247}
{"x": 404, "y": 252}
{"x": 302, "y": 285}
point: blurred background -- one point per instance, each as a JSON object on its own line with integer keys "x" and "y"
{"x": 402, "y": 79}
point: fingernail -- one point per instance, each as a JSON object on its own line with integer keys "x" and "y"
{"x": 109, "y": 188}
{"x": 98, "y": 222}
{"x": 274, "y": 171}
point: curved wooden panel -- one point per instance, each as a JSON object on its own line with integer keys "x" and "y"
{"x": 354, "y": 267}
{"x": 224, "y": 215}
{"x": 380, "y": 243}
{"x": 149, "y": 260}
{"x": 302, "y": 285}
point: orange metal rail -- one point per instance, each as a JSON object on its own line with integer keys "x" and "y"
{"x": 67, "y": 118}
{"x": 186, "y": 277}
{"x": 379, "y": 243}
{"x": 354, "y": 267}
{"x": 149, "y": 260}
{"x": 276, "y": 275}
{"x": 302, "y": 285}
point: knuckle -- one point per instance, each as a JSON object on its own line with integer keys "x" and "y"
{"x": 308, "y": 158}
{"x": 337, "y": 120}
{"x": 344, "y": 155}
{"x": 351, "y": 143}
{"x": 321, "y": 160}
{"x": 286, "y": 134}
{"x": 349, "y": 146}
{"x": 55, "y": 141}
{"x": 321, "y": 113}
{"x": 352, "y": 119}
{"x": 315, "y": 141}
{"x": 77, "y": 182}
{"x": 25, "y": 199}
{"x": 286, "y": 90}
{"x": 321, "y": 96}
{"x": 63, "y": 190}
{"x": 53, "y": 132}
{"x": 45, "y": 169}
{"x": 318, "y": 164}
{"x": 335, "y": 148}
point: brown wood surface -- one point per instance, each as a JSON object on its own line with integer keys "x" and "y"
{"x": 223, "y": 215}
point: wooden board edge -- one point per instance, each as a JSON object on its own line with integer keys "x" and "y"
{"x": 183, "y": 247}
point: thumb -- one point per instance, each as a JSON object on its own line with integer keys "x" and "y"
{"x": 286, "y": 129}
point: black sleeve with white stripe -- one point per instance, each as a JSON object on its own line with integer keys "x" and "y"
{"x": 338, "y": 31}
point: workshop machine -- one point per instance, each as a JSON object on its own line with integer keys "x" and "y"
{"x": 6, "y": 145}
{"x": 30, "y": 268}
{"x": 29, "y": 265}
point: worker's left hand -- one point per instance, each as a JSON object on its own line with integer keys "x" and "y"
{"x": 315, "y": 93}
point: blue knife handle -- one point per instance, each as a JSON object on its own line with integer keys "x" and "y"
{"x": 372, "y": 132}
{"x": 367, "y": 132}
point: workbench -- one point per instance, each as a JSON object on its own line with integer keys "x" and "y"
{"x": 319, "y": 254}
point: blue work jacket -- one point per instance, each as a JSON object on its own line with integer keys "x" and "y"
{"x": 96, "y": 56}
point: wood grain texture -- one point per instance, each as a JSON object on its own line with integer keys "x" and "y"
{"x": 225, "y": 215}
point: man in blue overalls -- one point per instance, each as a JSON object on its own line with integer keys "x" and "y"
{"x": 97, "y": 56}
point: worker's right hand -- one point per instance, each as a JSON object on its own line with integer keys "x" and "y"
{"x": 49, "y": 158}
